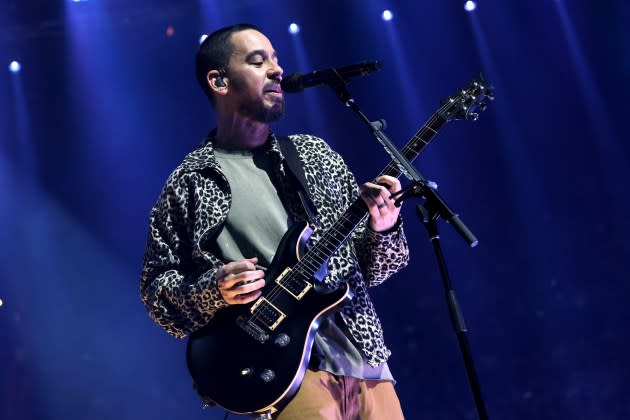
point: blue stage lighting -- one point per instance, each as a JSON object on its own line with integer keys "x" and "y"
{"x": 470, "y": 6}
{"x": 15, "y": 67}
{"x": 387, "y": 15}
{"x": 294, "y": 28}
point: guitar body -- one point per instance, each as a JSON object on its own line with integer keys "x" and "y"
{"x": 245, "y": 363}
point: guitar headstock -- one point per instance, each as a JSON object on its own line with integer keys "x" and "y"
{"x": 468, "y": 102}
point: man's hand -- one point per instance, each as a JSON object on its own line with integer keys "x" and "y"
{"x": 240, "y": 281}
{"x": 383, "y": 212}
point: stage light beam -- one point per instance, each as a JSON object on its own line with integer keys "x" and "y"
{"x": 294, "y": 29}
{"x": 15, "y": 67}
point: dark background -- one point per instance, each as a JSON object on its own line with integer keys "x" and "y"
{"x": 106, "y": 105}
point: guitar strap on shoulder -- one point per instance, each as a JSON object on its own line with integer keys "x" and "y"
{"x": 297, "y": 169}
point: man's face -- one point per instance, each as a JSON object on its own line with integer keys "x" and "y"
{"x": 254, "y": 77}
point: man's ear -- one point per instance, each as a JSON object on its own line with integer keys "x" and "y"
{"x": 217, "y": 82}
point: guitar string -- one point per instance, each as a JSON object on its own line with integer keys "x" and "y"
{"x": 339, "y": 227}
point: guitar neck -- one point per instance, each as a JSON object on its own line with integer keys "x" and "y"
{"x": 337, "y": 234}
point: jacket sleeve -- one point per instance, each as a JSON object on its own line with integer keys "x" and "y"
{"x": 178, "y": 285}
{"x": 380, "y": 254}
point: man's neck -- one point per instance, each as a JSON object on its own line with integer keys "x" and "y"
{"x": 241, "y": 134}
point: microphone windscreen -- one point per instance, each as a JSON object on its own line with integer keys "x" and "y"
{"x": 292, "y": 83}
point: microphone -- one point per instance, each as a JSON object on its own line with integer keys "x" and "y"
{"x": 297, "y": 82}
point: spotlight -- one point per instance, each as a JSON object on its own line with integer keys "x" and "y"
{"x": 387, "y": 15}
{"x": 202, "y": 38}
{"x": 1, "y": 302}
{"x": 15, "y": 67}
{"x": 294, "y": 28}
{"x": 470, "y": 5}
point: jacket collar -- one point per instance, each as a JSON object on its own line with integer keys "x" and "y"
{"x": 202, "y": 157}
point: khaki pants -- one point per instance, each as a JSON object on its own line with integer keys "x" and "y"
{"x": 330, "y": 397}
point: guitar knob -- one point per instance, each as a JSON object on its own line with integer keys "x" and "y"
{"x": 282, "y": 340}
{"x": 267, "y": 375}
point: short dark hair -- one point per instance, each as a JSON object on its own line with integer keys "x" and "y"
{"x": 215, "y": 51}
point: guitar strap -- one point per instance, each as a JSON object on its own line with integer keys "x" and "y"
{"x": 297, "y": 169}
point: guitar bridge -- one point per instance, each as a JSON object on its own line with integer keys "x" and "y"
{"x": 294, "y": 285}
{"x": 252, "y": 329}
{"x": 265, "y": 312}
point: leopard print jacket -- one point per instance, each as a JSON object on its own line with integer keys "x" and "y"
{"x": 178, "y": 279}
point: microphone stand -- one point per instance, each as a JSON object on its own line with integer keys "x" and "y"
{"x": 433, "y": 208}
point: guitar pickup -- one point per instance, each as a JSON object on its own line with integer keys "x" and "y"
{"x": 294, "y": 285}
{"x": 265, "y": 312}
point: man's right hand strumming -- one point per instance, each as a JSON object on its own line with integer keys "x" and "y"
{"x": 240, "y": 281}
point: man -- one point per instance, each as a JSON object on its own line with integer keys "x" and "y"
{"x": 223, "y": 211}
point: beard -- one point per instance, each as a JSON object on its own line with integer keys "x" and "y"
{"x": 258, "y": 111}
{"x": 256, "y": 108}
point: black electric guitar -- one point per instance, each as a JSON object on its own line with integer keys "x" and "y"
{"x": 252, "y": 358}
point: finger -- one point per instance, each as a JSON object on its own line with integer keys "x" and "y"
{"x": 372, "y": 207}
{"x": 245, "y": 287}
{"x": 244, "y": 293}
{"x": 242, "y": 266}
{"x": 379, "y": 205}
{"x": 392, "y": 182}
{"x": 247, "y": 298}
{"x": 369, "y": 199}
{"x": 236, "y": 299}
{"x": 387, "y": 179}
{"x": 232, "y": 281}
{"x": 385, "y": 200}
{"x": 236, "y": 267}
{"x": 380, "y": 195}
{"x": 394, "y": 188}
{"x": 373, "y": 190}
